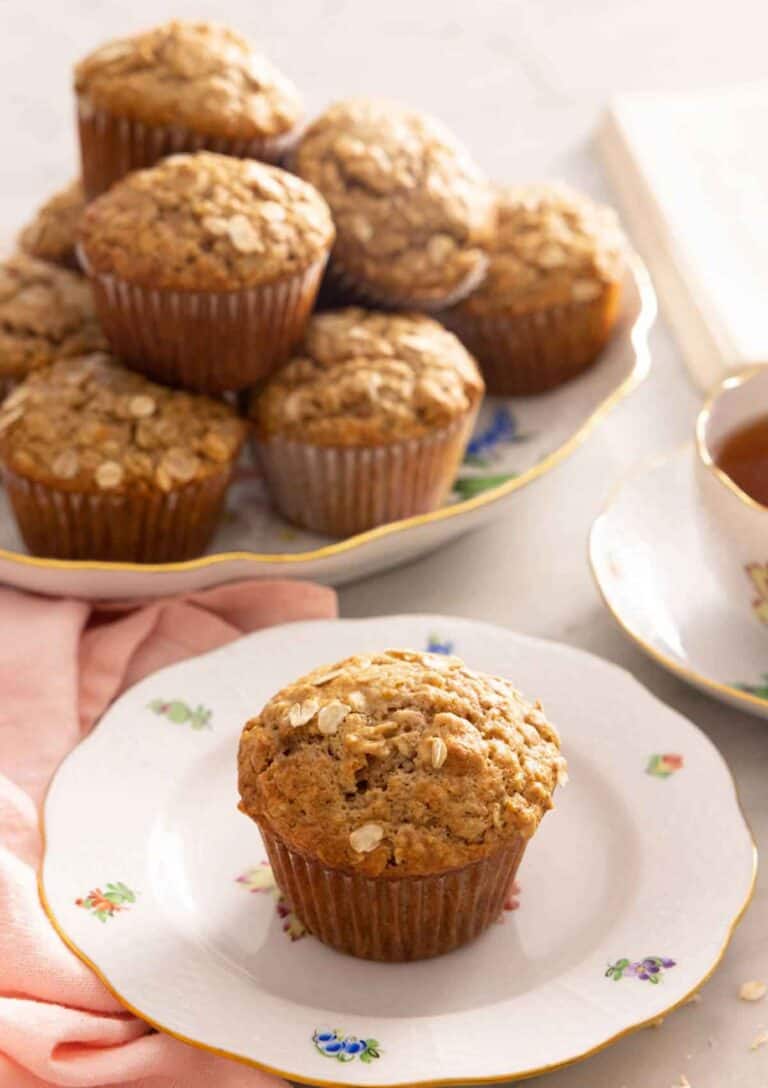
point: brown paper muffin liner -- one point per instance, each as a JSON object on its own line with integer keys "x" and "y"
{"x": 132, "y": 528}
{"x": 207, "y": 341}
{"x": 394, "y": 919}
{"x": 531, "y": 353}
{"x": 340, "y": 491}
{"x": 112, "y": 146}
{"x": 341, "y": 288}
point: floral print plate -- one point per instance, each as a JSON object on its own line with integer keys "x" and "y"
{"x": 515, "y": 442}
{"x": 169, "y": 897}
{"x": 663, "y": 593}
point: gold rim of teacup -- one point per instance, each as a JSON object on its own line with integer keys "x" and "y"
{"x": 733, "y": 381}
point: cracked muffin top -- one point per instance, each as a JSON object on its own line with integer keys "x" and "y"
{"x": 399, "y": 764}
{"x": 411, "y": 208}
{"x": 367, "y": 378}
{"x": 88, "y": 424}
{"x": 200, "y": 75}
{"x": 52, "y": 233}
{"x": 552, "y": 247}
{"x": 46, "y": 313}
{"x": 206, "y": 222}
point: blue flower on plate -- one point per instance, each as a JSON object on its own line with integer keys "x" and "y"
{"x": 345, "y": 1048}
{"x": 437, "y": 645}
{"x": 501, "y": 430}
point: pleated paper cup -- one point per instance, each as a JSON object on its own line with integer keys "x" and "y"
{"x": 342, "y": 288}
{"x": 206, "y": 341}
{"x": 340, "y": 491}
{"x": 394, "y": 919}
{"x": 112, "y": 146}
{"x": 524, "y": 354}
{"x": 153, "y": 527}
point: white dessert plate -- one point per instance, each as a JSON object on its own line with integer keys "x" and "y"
{"x": 516, "y": 441}
{"x": 630, "y": 890}
{"x": 647, "y": 558}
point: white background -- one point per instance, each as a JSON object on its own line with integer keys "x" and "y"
{"x": 523, "y": 83}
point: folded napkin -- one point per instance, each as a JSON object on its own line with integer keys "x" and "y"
{"x": 691, "y": 172}
{"x": 61, "y": 664}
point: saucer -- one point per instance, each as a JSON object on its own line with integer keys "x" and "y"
{"x": 649, "y": 564}
{"x": 631, "y": 889}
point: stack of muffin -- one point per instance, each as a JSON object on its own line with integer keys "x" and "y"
{"x": 204, "y": 261}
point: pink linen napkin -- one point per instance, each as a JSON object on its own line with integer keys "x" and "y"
{"x": 61, "y": 664}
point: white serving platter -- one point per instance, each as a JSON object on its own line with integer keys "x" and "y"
{"x": 517, "y": 440}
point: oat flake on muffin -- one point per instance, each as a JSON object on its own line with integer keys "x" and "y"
{"x": 553, "y": 246}
{"x": 101, "y": 464}
{"x": 90, "y": 424}
{"x": 412, "y": 210}
{"x": 206, "y": 222}
{"x": 199, "y": 75}
{"x": 399, "y": 764}
{"x": 52, "y": 234}
{"x": 46, "y": 313}
{"x": 367, "y": 378}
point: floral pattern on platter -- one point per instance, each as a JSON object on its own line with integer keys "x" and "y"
{"x": 261, "y": 879}
{"x": 179, "y": 712}
{"x": 484, "y": 449}
{"x": 760, "y": 690}
{"x": 651, "y": 969}
{"x": 664, "y": 766}
{"x": 438, "y": 645}
{"x": 105, "y": 905}
{"x": 758, "y": 576}
{"x": 345, "y": 1048}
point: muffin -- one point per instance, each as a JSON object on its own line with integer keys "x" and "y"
{"x": 46, "y": 313}
{"x": 396, "y": 794}
{"x": 551, "y": 296}
{"x": 179, "y": 87}
{"x": 368, "y": 421}
{"x": 205, "y": 268}
{"x": 412, "y": 211}
{"x": 99, "y": 463}
{"x": 51, "y": 235}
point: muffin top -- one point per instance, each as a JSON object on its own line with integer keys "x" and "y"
{"x": 399, "y": 763}
{"x": 51, "y": 235}
{"x": 364, "y": 378}
{"x": 411, "y": 208}
{"x": 88, "y": 424}
{"x": 200, "y": 75}
{"x": 553, "y": 246}
{"x": 46, "y": 313}
{"x": 206, "y": 222}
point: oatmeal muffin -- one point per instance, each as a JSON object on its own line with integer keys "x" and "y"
{"x": 551, "y": 296}
{"x": 179, "y": 87}
{"x": 46, "y": 313}
{"x": 412, "y": 210}
{"x": 99, "y": 463}
{"x": 368, "y": 422}
{"x": 205, "y": 268}
{"x": 395, "y": 794}
{"x": 51, "y": 235}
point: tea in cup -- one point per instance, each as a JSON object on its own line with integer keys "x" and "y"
{"x": 732, "y": 477}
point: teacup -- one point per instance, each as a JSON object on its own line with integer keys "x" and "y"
{"x": 735, "y": 526}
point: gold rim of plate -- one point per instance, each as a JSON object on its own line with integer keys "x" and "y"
{"x": 642, "y": 364}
